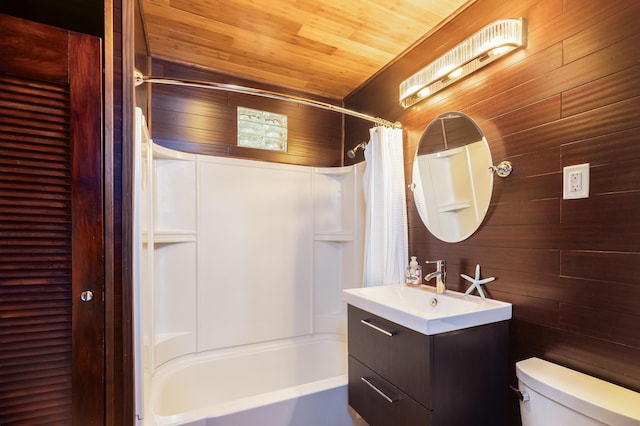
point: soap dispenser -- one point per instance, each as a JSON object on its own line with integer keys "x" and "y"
{"x": 413, "y": 274}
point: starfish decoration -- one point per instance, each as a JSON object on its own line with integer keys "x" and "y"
{"x": 477, "y": 282}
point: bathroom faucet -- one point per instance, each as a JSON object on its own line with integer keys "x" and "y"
{"x": 440, "y": 275}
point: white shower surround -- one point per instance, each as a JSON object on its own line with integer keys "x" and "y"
{"x": 241, "y": 253}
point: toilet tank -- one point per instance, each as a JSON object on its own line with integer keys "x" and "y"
{"x": 561, "y": 396}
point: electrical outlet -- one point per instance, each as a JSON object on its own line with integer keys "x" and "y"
{"x": 576, "y": 181}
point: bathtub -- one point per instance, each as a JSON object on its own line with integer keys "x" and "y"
{"x": 293, "y": 382}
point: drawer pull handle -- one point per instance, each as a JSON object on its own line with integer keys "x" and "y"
{"x": 381, "y": 330}
{"x": 375, "y": 388}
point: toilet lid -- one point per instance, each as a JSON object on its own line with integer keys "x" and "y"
{"x": 603, "y": 401}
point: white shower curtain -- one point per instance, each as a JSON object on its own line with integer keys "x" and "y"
{"x": 386, "y": 246}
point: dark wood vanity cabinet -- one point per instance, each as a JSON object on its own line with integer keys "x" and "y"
{"x": 398, "y": 376}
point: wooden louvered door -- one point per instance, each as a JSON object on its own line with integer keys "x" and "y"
{"x": 51, "y": 227}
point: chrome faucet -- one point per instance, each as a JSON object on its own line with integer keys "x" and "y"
{"x": 440, "y": 274}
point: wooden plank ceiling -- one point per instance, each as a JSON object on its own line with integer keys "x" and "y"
{"x": 321, "y": 47}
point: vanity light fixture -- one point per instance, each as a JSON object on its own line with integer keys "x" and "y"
{"x": 491, "y": 42}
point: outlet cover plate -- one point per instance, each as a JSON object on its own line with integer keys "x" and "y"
{"x": 575, "y": 181}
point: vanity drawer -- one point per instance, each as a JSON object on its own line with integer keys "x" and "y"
{"x": 379, "y": 402}
{"x": 400, "y": 355}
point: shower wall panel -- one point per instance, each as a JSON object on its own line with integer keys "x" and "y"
{"x": 255, "y": 252}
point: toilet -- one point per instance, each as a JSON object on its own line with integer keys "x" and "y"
{"x": 554, "y": 395}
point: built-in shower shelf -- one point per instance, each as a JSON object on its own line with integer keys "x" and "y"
{"x": 445, "y": 154}
{"x": 334, "y": 237}
{"x": 176, "y": 236}
{"x": 454, "y": 207}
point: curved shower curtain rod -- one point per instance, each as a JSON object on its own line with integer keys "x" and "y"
{"x": 140, "y": 79}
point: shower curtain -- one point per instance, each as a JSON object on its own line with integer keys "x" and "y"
{"x": 386, "y": 246}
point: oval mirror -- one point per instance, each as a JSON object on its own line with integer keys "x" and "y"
{"x": 452, "y": 177}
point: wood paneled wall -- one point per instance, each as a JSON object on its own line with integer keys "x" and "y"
{"x": 570, "y": 267}
{"x": 205, "y": 121}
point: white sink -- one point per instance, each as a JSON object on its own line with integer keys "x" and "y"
{"x": 422, "y": 310}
